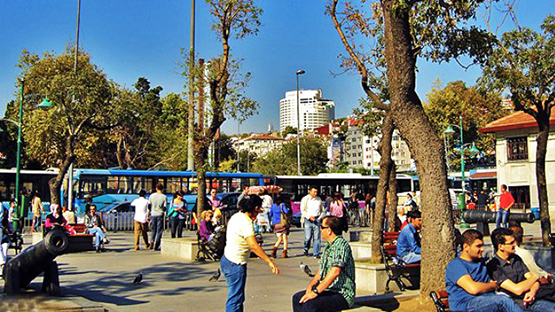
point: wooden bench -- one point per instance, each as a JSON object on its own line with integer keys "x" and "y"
{"x": 82, "y": 241}
{"x": 441, "y": 300}
{"x": 395, "y": 268}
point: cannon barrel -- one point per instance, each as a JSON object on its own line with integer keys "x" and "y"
{"x": 475, "y": 216}
{"x": 34, "y": 260}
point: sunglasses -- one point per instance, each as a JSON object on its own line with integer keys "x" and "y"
{"x": 324, "y": 227}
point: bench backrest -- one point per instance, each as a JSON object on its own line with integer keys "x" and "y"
{"x": 441, "y": 300}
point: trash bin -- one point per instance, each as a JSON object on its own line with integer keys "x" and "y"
{"x": 536, "y": 212}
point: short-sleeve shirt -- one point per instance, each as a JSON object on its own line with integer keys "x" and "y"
{"x": 457, "y": 268}
{"x": 239, "y": 228}
{"x": 505, "y": 200}
{"x": 141, "y": 207}
{"x": 513, "y": 270}
{"x": 338, "y": 254}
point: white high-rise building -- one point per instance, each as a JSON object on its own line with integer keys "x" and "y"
{"x": 315, "y": 111}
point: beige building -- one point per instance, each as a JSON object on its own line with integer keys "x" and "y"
{"x": 515, "y": 148}
{"x": 259, "y": 144}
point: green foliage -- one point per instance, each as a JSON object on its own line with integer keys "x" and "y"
{"x": 445, "y": 105}
{"x": 81, "y": 101}
{"x": 288, "y": 130}
{"x": 523, "y": 64}
{"x": 283, "y": 160}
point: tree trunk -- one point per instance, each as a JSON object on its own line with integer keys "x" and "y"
{"x": 393, "y": 198}
{"x": 55, "y": 184}
{"x": 541, "y": 151}
{"x": 381, "y": 195}
{"x": 200, "y": 160}
{"x": 438, "y": 246}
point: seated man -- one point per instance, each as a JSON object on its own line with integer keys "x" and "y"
{"x": 512, "y": 276}
{"x": 525, "y": 255}
{"x": 466, "y": 279}
{"x": 333, "y": 286}
{"x": 95, "y": 226}
{"x": 408, "y": 244}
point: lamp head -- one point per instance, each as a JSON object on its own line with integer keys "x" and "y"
{"x": 449, "y": 131}
{"x": 300, "y": 72}
{"x": 45, "y": 104}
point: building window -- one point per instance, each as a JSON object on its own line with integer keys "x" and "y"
{"x": 517, "y": 148}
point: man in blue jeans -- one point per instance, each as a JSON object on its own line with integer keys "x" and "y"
{"x": 408, "y": 244}
{"x": 506, "y": 202}
{"x": 240, "y": 241}
{"x": 311, "y": 211}
{"x": 157, "y": 207}
{"x": 469, "y": 286}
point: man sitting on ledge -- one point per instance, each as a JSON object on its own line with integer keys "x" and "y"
{"x": 466, "y": 279}
{"x": 333, "y": 286}
{"x": 408, "y": 244}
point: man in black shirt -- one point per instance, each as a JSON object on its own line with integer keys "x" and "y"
{"x": 512, "y": 276}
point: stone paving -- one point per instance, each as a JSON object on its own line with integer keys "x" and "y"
{"x": 92, "y": 280}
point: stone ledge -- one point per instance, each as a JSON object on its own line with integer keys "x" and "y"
{"x": 361, "y": 250}
{"x": 183, "y": 248}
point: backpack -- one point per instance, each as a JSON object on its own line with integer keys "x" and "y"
{"x": 286, "y": 217}
{"x": 217, "y": 243}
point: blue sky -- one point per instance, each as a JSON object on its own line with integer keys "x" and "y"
{"x": 130, "y": 39}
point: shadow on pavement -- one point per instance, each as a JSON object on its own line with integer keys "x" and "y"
{"x": 120, "y": 290}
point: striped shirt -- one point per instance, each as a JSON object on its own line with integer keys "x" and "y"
{"x": 338, "y": 254}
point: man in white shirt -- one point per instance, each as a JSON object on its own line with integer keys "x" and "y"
{"x": 311, "y": 212}
{"x": 141, "y": 219}
{"x": 240, "y": 241}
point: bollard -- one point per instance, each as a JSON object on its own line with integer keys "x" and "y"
{"x": 33, "y": 261}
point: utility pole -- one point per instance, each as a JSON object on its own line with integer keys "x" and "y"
{"x": 191, "y": 106}
{"x": 70, "y": 170}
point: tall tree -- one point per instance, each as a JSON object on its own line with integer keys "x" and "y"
{"x": 240, "y": 17}
{"x": 81, "y": 103}
{"x": 400, "y": 31}
{"x": 524, "y": 65}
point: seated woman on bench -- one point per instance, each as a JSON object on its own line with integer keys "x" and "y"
{"x": 55, "y": 219}
{"x": 95, "y": 226}
{"x": 206, "y": 229}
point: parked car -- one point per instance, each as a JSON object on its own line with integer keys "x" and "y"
{"x": 117, "y": 207}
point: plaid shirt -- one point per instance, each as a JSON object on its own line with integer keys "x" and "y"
{"x": 338, "y": 254}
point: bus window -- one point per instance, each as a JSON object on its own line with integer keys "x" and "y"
{"x": 403, "y": 186}
{"x": 137, "y": 184}
{"x": 173, "y": 185}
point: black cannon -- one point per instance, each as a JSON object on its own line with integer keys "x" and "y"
{"x": 482, "y": 218}
{"x": 34, "y": 260}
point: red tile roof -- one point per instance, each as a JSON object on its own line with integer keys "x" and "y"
{"x": 484, "y": 175}
{"x": 264, "y": 137}
{"x": 516, "y": 120}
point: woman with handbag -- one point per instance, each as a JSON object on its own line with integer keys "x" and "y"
{"x": 281, "y": 216}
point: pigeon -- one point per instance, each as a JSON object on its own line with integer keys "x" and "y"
{"x": 138, "y": 278}
{"x": 216, "y": 276}
{"x": 306, "y": 270}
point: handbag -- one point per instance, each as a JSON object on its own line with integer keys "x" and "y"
{"x": 286, "y": 218}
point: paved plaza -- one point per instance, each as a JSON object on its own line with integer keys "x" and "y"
{"x": 171, "y": 284}
{"x": 94, "y": 280}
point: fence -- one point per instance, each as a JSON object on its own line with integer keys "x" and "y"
{"x": 122, "y": 221}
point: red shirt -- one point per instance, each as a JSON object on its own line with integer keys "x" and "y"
{"x": 505, "y": 200}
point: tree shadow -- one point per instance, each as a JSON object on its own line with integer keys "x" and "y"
{"x": 117, "y": 289}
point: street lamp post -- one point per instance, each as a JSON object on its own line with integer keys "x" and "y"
{"x": 19, "y": 213}
{"x": 449, "y": 131}
{"x": 299, "y": 72}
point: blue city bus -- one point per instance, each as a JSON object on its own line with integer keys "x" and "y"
{"x": 106, "y": 186}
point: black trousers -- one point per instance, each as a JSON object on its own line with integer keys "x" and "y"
{"x": 176, "y": 227}
{"x": 325, "y": 302}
